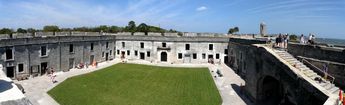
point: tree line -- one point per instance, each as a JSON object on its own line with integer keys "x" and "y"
{"x": 131, "y": 27}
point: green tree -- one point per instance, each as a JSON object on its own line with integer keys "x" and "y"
{"x": 171, "y": 30}
{"x": 143, "y": 28}
{"x": 20, "y": 30}
{"x": 103, "y": 28}
{"x": 114, "y": 29}
{"x": 6, "y": 31}
{"x": 51, "y": 28}
{"x": 131, "y": 27}
{"x": 82, "y": 29}
{"x": 31, "y": 30}
{"x": 236, "y": 29}
{"x": 233, "y": 30}
{"x": 66, "y": 29}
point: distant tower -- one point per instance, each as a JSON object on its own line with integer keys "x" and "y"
{"x": 262, "y": 29}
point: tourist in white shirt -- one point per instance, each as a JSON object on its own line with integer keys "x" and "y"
{"x": 302, "y": 40}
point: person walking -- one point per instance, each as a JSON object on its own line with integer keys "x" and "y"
{"x": 52, "y": 75}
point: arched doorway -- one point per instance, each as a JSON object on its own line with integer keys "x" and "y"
{"x": 271, "y": 92}
{"x": 164, "y": 57}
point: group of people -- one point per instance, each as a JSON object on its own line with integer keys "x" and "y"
{"x": 282, "y": 41}
{"x": 311, "y": 39}
{"x": 86, "y": 65}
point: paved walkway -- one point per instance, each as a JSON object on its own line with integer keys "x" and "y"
{"x": 36, "y": 88}
{"x": 228, "y": 85}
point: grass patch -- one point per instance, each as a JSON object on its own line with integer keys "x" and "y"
{"x": 133, "y": 84}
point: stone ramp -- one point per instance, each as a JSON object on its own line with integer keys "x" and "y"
{"x": 328, "y": 85}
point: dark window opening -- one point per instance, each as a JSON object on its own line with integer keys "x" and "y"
{"x": 123, "y": 44}
{"x": 203, "y": 56}
{"x": 217, "y": 56}
{"x": 164, "y": 45}
{"x": 91, "y": 47}
{"x": 107, "y": 45}
{"x": 210, "y": 47}
{"x": 179, "y": 55}
{"x": 102, "y": 54}
{"x": 187, "y": 46}
{"x": 194, "y": 56}
{"x": 9, "y": 54}
{"x": 226, "y": 51}
{"x": 136, "y": 53}
{"x": 148, "y": 54}
{"x": 43, "y": 50}
{"x": 141, "y": 45}
{"x": 20, "y": 67}
{"x": 110, "y": 52}
{"x": 70, "y": 48}
{"x": 118, "y": 52}
{"x": 128, "y": 52}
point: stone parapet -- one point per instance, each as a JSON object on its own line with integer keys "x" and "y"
{"x": 170, "y": 34}
{"x": 44, "y": 34}
{"x": 154, "y": 34}
{"x": 139, "y": 34}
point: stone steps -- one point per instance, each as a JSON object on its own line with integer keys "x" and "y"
{"x": 331, "y": 88}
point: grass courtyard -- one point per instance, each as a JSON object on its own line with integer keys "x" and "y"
{"x": 133, "y": 84}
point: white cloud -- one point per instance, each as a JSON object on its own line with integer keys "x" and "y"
{"x": 202, "y": 8}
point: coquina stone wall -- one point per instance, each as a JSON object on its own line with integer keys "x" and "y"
{"x": 320, "y": 56}
{"x": 269, "y": 80}
{"x": 65, "y": 50}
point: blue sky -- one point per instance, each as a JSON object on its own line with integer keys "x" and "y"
{"x": 325, "y": 18}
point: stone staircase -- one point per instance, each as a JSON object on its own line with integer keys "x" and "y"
{"x": 330, "y": 87}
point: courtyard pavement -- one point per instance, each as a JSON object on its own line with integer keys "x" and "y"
{"x": 228, "y": 85}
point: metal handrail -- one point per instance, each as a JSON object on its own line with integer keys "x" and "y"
{"x": 320, "y": 70}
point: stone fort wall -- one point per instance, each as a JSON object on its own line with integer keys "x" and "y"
{"x": 318, "y": 55}
{"x": 267, "y": 78}
{"x": 32, "y": 53}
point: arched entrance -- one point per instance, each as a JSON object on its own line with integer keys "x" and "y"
{"x": 164, "y": 56}
{"x": 270, "y": 91}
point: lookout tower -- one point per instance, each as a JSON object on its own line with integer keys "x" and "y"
{"x": 262, "y": 29}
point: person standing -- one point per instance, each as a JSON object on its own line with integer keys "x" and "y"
{"x": 279, "y": 40}
{"x": 310, "y": 39}
{"x": 286, "y": 40}
{"x": 313, "y": 39}
{"x": 302, "y": 40}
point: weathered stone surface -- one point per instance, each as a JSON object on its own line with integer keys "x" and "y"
{"x": 265, "y": 75}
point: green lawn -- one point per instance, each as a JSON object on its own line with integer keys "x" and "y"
{"x": 133, "y": 84}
